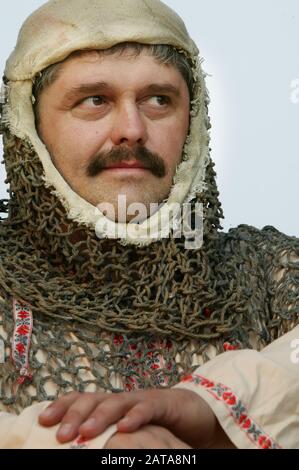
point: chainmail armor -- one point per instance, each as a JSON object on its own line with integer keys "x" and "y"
{"x": 239, "y": 283}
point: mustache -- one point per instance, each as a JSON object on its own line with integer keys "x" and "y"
{"x": 152, "y": 161}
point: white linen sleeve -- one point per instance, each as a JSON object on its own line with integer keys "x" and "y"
{"x": 254, "y": 395}
{"x": 24, "y": 432}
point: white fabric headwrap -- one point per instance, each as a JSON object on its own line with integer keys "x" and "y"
{"x": 61, "y": 27}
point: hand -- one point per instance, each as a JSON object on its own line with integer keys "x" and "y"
{"x": 147, "y": 437}
{"x": 182, "y": 412}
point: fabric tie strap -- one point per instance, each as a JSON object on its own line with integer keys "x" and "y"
{"x": 23, "y": 323}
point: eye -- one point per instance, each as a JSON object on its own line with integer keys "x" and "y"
{"x": 159, "y": 100}
{"x": 94, "y": 101}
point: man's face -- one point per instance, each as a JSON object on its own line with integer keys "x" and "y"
{"x": 106, "y": 115}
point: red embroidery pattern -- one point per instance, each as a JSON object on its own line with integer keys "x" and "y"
{"x": 207, "y": 312}
{"x": 140, "y": 365}
{"x": 23, "y": 320}
{"x": 231, "y": 347}
{"x": 80, "y": 443}
{"x": 237, "y": 409}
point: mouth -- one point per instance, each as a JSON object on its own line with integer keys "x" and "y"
{"x": 126, "y": 166}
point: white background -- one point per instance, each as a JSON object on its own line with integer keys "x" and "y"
{"x": 251, "y": 51}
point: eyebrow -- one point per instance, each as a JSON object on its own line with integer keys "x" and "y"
{"x": 86, "y": 88}
{"x": 96, "y": 87}
{"x": 162, "y": 88}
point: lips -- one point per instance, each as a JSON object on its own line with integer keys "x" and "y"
{"x": 126, "y": 165}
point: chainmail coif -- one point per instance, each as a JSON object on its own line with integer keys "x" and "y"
{"x": 125, "y": 304}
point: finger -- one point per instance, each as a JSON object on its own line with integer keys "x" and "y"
{"x": 174, "y": 442}
{"x": 141, "y": 414}
{"x": 124, "y": 441}
{"x": 139, "y": 407}
{"x": 156, "y": 408}
{"x": 54, "y": 413}
{"x": 164, "y": 439}
{"x": 141, "y": 439}
{"x": 148, "y": 437}
{"x": 76, "y": 414}
{"x": 108, "y": 412}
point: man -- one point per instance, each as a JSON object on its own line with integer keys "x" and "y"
{"x": 108, "y": 99}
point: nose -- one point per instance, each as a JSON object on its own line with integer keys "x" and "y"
{"x": 129, "y": 127}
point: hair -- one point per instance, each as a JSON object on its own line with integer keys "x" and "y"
{"x": 164, "y": 54}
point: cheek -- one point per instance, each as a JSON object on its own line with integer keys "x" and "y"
{"x": 72, "y": 143}
{"x": 88, "y": 135}
{"x": 76, "y": 131}
{"x": 173, "y": 145}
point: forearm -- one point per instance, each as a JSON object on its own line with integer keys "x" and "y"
{"x": 221, "y": 439}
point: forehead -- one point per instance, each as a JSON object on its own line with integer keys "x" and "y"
{"x": 116, "y": 67}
